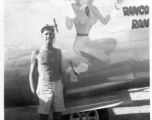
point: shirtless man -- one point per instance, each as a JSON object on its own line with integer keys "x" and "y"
{"x": 49, "y": 90}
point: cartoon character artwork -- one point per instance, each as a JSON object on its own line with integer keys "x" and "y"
{"x": 75, "y": 71}
{"x": 83, "y": 15}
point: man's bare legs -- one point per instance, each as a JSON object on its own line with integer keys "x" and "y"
{"x": 56, "y": 116}
{"x": 44, "y": 116}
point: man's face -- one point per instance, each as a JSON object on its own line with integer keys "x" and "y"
{"x": 48, "y": 36}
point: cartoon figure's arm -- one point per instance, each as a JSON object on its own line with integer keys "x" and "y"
{"x": 96, "y": 12}
{"x": 69, "y": 15}
{"x": 105, "y": 20}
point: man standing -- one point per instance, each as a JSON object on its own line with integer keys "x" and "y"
{"x": 49, "y": 90}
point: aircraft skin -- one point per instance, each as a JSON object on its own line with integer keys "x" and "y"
{"x": 127, "y": 65}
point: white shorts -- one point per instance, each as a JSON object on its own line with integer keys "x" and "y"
{"x": 50, "y": 96}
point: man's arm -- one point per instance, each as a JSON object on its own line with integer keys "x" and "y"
{"x": 60, "y": 67}
{"x": 33, "y": 68}
{"x": 62, "y": 76}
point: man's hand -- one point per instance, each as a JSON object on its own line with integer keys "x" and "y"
{"x": 64, "y": 94}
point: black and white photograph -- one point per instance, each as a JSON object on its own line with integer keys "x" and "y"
{"x": 76, "y": 59}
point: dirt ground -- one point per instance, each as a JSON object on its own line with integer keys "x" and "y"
{"x": 138, "y": 110}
